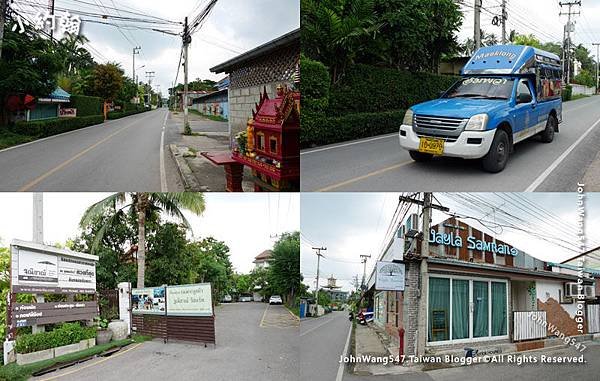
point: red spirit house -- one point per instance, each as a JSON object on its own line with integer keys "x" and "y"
{"x": 272, "y": 137}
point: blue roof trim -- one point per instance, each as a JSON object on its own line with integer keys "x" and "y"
{"x": 60, "y": 94}
{"x": 506, "y": 59}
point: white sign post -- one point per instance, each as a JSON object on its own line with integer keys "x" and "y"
{"x": 390, "y": 276}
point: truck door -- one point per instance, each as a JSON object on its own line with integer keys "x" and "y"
{"x": 526, "y": 113}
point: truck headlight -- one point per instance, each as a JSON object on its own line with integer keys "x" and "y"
{"x": 477, "y": 122}
{"x": 408, "y": 117}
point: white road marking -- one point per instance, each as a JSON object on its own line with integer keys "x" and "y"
{"x": 163, "y": 176}
{"x": 340, "y": 373}
{"x": 395, "y": 134}
{"x": 559, "y": 160}
{"x": 313, "y": 328}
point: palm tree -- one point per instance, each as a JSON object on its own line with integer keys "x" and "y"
{"x": 143, "y": 205}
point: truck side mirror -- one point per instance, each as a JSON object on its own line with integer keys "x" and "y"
{"x": 524, "y": 98}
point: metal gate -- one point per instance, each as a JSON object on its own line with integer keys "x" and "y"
{"x": 593, "y": 318}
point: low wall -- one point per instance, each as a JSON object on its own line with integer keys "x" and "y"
{"x": 583, "y": 90}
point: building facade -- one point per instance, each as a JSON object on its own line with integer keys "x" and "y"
{"x": 474, "y": 290}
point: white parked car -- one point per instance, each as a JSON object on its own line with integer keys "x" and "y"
{"x": 245, "y": 298}
{"x": 275, "y": 299}
{"x": 227, "y": 299}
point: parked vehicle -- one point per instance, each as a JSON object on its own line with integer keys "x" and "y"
{"x": 227, "y": 299}
{"x": 275, "y": 299}
{"x": 507, "y": 93}
{"x": 364, "y": 317}
{"x": 245, "y": 298}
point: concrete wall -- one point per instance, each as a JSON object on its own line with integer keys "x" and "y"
{"x": 580, "y": 89}
{"x": 560, "y": 315}
{"x": 410, "y": 307}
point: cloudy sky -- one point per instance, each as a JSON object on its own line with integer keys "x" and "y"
{"x": 539, "y": 17}
{"x": 351, "y": 224}
{"x": 233, "y": 27}
{"x": 245, "y": 222}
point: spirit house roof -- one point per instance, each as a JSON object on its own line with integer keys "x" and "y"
{"x": 509, "y": 60}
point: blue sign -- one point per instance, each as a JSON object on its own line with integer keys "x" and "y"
{"x": 455, "y": 240}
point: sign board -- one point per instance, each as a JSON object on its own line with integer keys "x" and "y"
{"x": 149, "y": 300}
{"x": 189, "y": 300}
{"x": 37, "y": 268}
{"x": 390, "y": 276}
{"x": 439, "y": 321}
{"x": 25, "y": 315}
{"x": 67, "y": 113}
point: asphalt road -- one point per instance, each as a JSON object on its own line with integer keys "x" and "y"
{"x": 322, "y": 342}
{"x": 247, "y": 349}
{"x": 380, "y": 164}
{"x": 118, "y": 155}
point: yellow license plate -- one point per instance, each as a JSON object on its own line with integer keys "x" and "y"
{"x": 431, "y": 145}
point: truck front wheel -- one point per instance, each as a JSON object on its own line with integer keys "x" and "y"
{"x": 497, "y": 157}
{"x": 547, "y": 135}
{"x": 420, "y": 156}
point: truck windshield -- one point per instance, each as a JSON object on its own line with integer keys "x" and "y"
{"x": 482, "y": 88}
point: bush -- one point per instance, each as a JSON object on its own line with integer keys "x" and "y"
{"x": 315, "y": 79}
{"x": 86, "y": 106}
{"x": 122, "y": 114}
{"x": 66, "y": 334}
{"x": 319, "y": 130}
{"x": 567, "y": 93}
{"x": 49, "y": 127}
{"x": 370, "y": 89}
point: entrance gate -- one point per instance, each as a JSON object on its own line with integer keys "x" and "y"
{"x": 174, "y": 312}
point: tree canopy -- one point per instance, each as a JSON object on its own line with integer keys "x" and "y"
{"x": 284, "y": 267}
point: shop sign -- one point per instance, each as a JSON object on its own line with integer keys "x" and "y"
{"x": 67, "y": 113}
{"x": 390, "y": 276}
{"x": 25, "y": 315}
{"x": 189, "y": 300}
{"x": 38, "y": 268}
{"x": 149, "y": 300}
{"x": 455, "y": 240}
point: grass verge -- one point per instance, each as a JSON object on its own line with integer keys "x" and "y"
{"x": 578, "y": 96}
{"x": 14, "y": 372}
{"x": 294, "y": 310}
{"x": 215, "y": 118}
{"x": 9, "y": 139}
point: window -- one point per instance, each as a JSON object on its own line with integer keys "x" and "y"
{"x": 462, "y": 309}
{"x": 523, "y": 90}
{"x": 273, "y": 144}
{"x": 260, "y": 141}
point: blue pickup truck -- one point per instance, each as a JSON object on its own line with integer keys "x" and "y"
{"x": 507, "y": 93}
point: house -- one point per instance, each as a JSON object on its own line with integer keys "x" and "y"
{"x": 268, "y": 66}
{"x": 334, "y": 292}
{"x": 30, "y": 108}
{"x": 472, "y": 290}
{"x": 215, "y": 104}
{"x": 262, "y": 259}
{"x": 192, "y": 95}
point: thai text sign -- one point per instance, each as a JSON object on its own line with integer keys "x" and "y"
{"x": 37, "y": 268}
{"x": 189, "y": 300}
{"x": 390, "y": 276}
{"x": 24, "y": 315}
{"x": 149, "y": 300}
{"x": 67, "y": 113}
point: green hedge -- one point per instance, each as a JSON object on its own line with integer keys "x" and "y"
{"x": 68, "y": 333}
{"x": 86, "y": 106}
{"x": 367, "y": 88}
{"x": 122, "y": 114}
{"x": 567, "y": 93}
{"x": 319, "y": 130}
{"x": 49, "y": 127}
{"x": 314, "y": 86}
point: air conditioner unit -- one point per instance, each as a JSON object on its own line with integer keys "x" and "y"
{"x": 412, "y": 225}
{"x": 590, "y": 292}
{"x": 571, "y": 289}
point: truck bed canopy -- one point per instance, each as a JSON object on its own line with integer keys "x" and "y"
{"x": 509, "y": 60}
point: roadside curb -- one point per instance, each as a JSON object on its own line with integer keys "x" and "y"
{"x": 591, "y": 179}
{"x": 189, "y": 180}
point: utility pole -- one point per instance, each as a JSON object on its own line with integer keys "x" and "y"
{"x": 477, "y": 12}
{"x": 319, "y": 255}
{"x": 38, "y": 237}
{"x": 51, "y": 6}
{"x": 3, "y": 11}
{"x": 597, "y": 45}
{"x": 423, "y": 291}
{"x": 504, "y": 17}
{"x": 136, "y": 50}
{"x": 187, "y": 40}
{"x": 569, "y": 28}
{"x": 363, "y": 259}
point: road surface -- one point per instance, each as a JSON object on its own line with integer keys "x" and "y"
{"x": 119, "y": 155}
{"x": 249, "y": 347}
{"x": 379, "y": 164}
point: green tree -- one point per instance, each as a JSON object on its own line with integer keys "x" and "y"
{"x": 260, "y": 281}
{"x": 284, "y": 267}
{"x": 585, "y": 78}
{"x": 526, "y": 39}
{"x": 108, "y": 81}
{"x": 169, "y": 256}
{"x": 143, "y": 205}
{"x": 337, "y": 32}
{"x": 128, "y": 91}
{"x": 243, "y": 283}
{"x": 211, "y": 264}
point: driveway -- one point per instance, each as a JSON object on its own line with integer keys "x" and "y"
{"x": 245, "y": 350}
